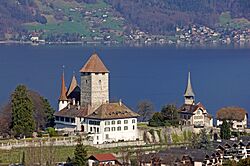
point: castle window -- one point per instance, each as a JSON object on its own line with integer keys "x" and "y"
{"x": 57, "y": 118}
{"x": 96, "y": 73}
{"x": 67, "y": 119}
{"x": 62, "y": 119}
{"x": 119, "y": 128}
{"x": 91, "y": 129}
{"x": 107, "y": 123}
{"x": 133, "y": 127}
{"x": 97, "y": 130}
{"x": 113, "y": 128}
{"x": 107, "y": 129}
{"x": 133, "y": 121}
{"x": 113, "y": 122}
{"x": 72, "y": 120}
{"x": 118, "y": 122}
{"x": 107, "y": 136}
{"x": 125, "y": 127}
{"x": 125, "y": 121}
{"x": 100, "y": 81}
{"x": 86, "y": 81}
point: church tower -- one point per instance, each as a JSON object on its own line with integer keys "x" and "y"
{"x": 62, "y": 101}
{"x": 189, "y": 96}
{"x": 94, "y": 83}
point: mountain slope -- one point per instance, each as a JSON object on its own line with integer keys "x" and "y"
{"x": 157, "y": 16}
{"x": 77, "y": 20}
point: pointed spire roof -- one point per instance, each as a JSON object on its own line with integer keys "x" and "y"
{"x": 94, "y": 65}
{"x": 73, "y": 85}
{"x": 63, "y": 96}
{"x": 189, "y": 91}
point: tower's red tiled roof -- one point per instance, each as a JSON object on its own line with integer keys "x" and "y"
{"x": 104, "y": 157}
{"x": 63, "y": 96}
{"x": 94, "y": 64}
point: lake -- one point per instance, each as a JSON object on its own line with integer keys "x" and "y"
{"x": 220, "y": 77}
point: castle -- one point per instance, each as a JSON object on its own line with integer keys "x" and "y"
{"x": 86, "y": 108}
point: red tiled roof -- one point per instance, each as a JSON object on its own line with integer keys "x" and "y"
{"x": 104, "y": 157}
{"x": 231, "y": 113}
{"x": 73, "y": 111}
{"x": 112, "y": 111}
{"x": 94, "y": 64}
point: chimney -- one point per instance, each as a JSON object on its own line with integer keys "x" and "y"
{"x": 74, "y": 101}
{"x": 120, "y": 102}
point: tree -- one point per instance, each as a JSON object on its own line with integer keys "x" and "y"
{"x": 244, "y": 162}
{"x": 157, "y": 120}
{"x": 145, "y": 109}
{"x": 49, "y": 111}
{"x": 80, "y": 154}
{"x": 170, "y": 114}
{"x": 22, "y": 112}
{"x": 204, "y": 141}
{"x": 225, "y": 131}
{"x": 195, "y": 141}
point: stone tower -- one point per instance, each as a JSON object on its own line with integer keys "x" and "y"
{"x": 62, "y": 101}
{"x": 94, "y": 83}
{"x": 189, "y": 96}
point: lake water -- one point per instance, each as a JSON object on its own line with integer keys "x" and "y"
{"x": 220, "y": 77}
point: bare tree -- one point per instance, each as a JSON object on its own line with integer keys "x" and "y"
{"x": 145, "y": 109}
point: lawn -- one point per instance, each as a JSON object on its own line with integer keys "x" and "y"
{"x": 55, "y": 154}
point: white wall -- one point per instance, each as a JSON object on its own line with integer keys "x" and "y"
{"x": 109, "y": 130}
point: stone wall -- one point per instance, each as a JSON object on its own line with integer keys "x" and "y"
{"x": 94, "y": 89}
{"x": 165, "y": 135}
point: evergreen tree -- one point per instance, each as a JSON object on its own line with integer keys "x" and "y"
{"x": 225, "y": 131}
{"x": 157, "y": 120}
{"x": 170, "y": 114}
{"x": 80, "y": 158}
{"x": 204, "y": 139}
{"x": 49, "y": 111}
{"x": 23, "y": 123}
{"x": 195, "y": 141}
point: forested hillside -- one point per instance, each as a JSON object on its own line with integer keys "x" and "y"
{"x": 162, "y": 16}
{"x": 54, "y": 18}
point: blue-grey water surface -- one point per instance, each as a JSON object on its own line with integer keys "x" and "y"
{"x": 220, "y": 77}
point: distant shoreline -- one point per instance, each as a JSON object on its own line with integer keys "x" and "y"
{"x": 235, "y": 45}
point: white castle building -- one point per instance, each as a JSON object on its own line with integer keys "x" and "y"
{"x": 86, "y": 108}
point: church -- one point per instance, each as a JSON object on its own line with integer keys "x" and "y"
{"x": 86, "y": 108}
{"x": 191, "y": 113}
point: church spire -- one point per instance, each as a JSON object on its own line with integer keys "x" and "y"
{"x": 189, "y": 94}
{"x": 63, "y": 96}
{"x": 73, "y": 85}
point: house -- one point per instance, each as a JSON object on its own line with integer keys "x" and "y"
{"x": 233, "y": 150}
{"x": 236, "y": 116}
{"x": 103, "y": 160}
{"x": 86, "y": 108}
{"x": 180, "y": 156}
{"x": 191, "y": 113}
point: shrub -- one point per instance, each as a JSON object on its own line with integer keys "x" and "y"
{"x": 51, "y": 131}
